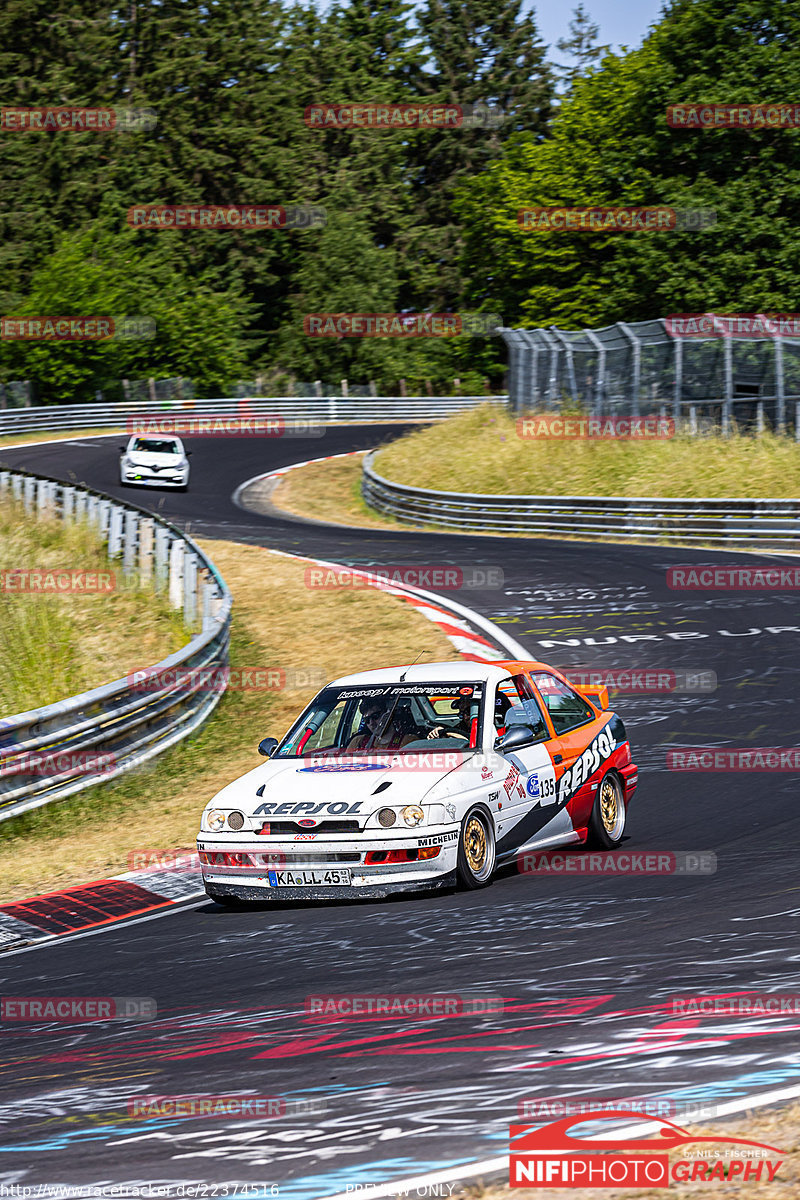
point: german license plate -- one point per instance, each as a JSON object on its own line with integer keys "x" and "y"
{"x": 334, "y": 878}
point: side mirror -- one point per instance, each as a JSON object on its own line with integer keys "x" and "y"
{"x": 268, "y": 746}
{"x": 188, "y": 453}
{"x": 515, "y": 738}
{"x": 122, "y": 449}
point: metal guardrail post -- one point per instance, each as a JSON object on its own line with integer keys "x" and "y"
{"x": 161, "y": 558}
{"x": 68, "y": 503}
{"x": 146, "y": 549}
{"x": 115, "y": 532}
{"x": 130, "y": 537}
{"x": 189, "y": 590}
{"x": 176, "y": 568}
{"x": 28, "y": 495}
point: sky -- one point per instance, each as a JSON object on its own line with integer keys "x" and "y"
{"x": 622, "y": 22}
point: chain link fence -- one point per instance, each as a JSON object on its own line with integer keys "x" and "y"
{"x": 702, "y": 381}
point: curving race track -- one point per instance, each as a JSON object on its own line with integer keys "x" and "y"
{"x": 587, "y": 965}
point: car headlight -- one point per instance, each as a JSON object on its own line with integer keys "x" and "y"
{"x": 413, "y": 814}
{"x": 215, "y": 819}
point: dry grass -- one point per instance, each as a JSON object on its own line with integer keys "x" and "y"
{"x": 278, "y": 622}
{"x": 779, "y": 1127}
{"x": 55, "y": 645}
{"x": 480, "y": 451}
{"x": 329, "y": 491}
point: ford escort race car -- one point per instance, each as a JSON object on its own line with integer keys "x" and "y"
{"x": 418, "y": 777}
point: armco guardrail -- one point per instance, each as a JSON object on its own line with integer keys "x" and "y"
{"x": 320, "y": 410}
{"x": 759, "y": 523}
{"x": 50, "y": 753}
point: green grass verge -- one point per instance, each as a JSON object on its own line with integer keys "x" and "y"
{"x": 56, "y": 644}
{"x": 480, "y": 451}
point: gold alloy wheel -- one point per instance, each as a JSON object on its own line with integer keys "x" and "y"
{"x": 475, "y": 845}
{"x": 611, "y": 810}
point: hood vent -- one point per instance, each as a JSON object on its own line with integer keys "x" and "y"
{"x": 382, "y": 786}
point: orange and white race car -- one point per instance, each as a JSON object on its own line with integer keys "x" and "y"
{"x": 420, "y": 777}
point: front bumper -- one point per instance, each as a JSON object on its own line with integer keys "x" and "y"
{"x": 367, "y": 879}
{"x": 142, "y": 477}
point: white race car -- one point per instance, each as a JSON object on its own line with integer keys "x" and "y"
{"x": 420, "y": 777}
{"x": 154, "y": 462}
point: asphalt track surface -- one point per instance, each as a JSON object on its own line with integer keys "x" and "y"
{"x": 587, "y": 966}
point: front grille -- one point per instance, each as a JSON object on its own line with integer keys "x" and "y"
{"x": 275, "y": 828}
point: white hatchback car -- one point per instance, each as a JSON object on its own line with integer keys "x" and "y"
{"x": 154, "y": 462}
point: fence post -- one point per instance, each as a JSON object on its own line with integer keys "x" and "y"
{"x": 678, "y": 383}
{"x": 727, "y": 408}
{"x": 68, "y": 504}
{"x": 28, "y": 494}
{"x": 637, "y": 366}
{"x": 573, "y": 383}
{"x": 600, "y": 380}
{"x": 780, "y": 389}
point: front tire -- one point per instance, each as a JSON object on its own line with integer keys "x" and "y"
{"x": 607, "y": 822}
{"x": 477, "y": 851}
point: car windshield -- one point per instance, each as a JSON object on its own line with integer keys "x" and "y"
{"x": 152, "y": 446}
{"x": 394, "y": 716}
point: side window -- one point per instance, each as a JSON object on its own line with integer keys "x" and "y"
{"x": 516, "y": 704}
{"x": 567, "y": 709}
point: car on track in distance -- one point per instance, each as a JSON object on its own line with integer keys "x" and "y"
{"x": 154, "y": 461}
{"x": 420, "y": 777}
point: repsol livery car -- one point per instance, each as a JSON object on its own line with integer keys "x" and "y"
{"x": 420, "y": 777}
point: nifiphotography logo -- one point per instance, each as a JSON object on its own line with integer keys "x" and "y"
{"x": 548, "y": 1156}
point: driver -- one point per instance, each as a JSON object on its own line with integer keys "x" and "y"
{"x": 463, "y": 706}
{"x": 379, "y": 732}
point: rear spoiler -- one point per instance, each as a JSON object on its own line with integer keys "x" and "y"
{"x": 598, "y": 695}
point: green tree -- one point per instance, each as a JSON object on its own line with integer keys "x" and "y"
{"x": 581, "y": 46}
{"x": 611, "y": 145}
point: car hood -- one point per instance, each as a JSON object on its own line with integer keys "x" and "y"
{"x": 147, "y": 458}
{"x": 317, "y": 790}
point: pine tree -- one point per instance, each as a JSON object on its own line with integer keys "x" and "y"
{"x": 581, "y": 46}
